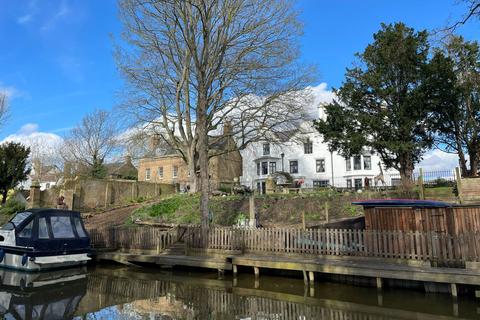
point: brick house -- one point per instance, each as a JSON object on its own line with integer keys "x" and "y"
{"x": 171, "y": 168}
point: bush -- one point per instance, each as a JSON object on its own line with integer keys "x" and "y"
{"x": 12, "y": 206}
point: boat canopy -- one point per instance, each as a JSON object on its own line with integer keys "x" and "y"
{"x": 49, "y": 230}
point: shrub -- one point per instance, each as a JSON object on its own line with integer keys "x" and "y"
{"x": 12, "y": 206}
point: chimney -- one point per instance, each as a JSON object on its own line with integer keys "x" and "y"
{"x": 154, "y": 142}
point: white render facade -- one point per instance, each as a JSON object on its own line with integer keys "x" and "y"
{"x": 305, "y": 156}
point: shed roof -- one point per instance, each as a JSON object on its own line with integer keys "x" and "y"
{"x": 403, "y": 203}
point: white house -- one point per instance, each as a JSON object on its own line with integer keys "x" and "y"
{"x": 305, "y": 156}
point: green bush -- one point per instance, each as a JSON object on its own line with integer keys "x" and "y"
{"x": 12, "y": 206}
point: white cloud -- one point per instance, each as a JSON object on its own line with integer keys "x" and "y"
{"x": 25, "y": 18}
{"x": 10, "y": 91}
{"x": 321, "y": 95}
{"x": 44, "y": 145}
{"x": 28, "y": 129}
{"x": 438, "y": 160}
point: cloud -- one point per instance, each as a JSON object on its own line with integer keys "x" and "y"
{"x": 25, "y": 18}
{"x": 44, "y": 145}
{"x": 62, "y": 11}
{"x": 28, "y": 129}
{"x": 436, "y": 160}
{"x": 321, "y": 95}
{"x": 10, "y": 91}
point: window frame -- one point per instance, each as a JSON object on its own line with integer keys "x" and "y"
{"x": 290, "y": 165}
{"x": 317, "y": 165}
{"x": 369, "y": 163}
{"x": 266, "y": 149}
{"x": 348, "y": 164}
{"x": 174, "y": 171}
{"x": 359, "y": 167}
{"x": 148, "y": 174}
{"x": 308, "y": 147}
{"x": 71, "y": 226}
{"x": 272, "y": 167}
{"x": 322, "y": 183}
{"x": 264, "y": 168}
{"x": 160, "y": 172}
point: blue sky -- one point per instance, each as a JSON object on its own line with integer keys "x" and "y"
{"x": 56, "y": 59}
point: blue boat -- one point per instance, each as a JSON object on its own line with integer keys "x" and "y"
{"x": 43, "y": 239}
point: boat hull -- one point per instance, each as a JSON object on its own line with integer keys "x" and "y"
{"x": 19, "y": 262}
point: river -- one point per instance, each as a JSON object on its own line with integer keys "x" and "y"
{"x": 113, "y": 292}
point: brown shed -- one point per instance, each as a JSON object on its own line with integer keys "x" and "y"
{"x": 420, "y": 215}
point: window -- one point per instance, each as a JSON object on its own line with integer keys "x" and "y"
{"x": 293, "y": 166}
{"x": 175, "y": 171}
{"x": 160, "y": 172}
{"x": 357, "y": 163}
{"x": 308, "y": 147}
{"x": 358, "y": 184}
{"x": 78, "y": 225}
{"x": 147, "y": 174}
{"x": 264, "y": 167}
{"x": 62, "y": 227}
{"x": 42, "y": 229}
{"x": 26, "y": 231}
{"x": 367, "y": 163}
{"x": 258, "y": 168}
{"x": 320, "y": 165}
{"x": 266, "y": 149}
{"x": 349, "y": 183}
{"x": 348, "y": 164}
{"x": 320, "y": 183}
{"x": 47, "y": 186}
{"x": 273, "y": 167}
{"x": 20, "y": 217}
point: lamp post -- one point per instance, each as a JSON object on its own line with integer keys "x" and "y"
{"x": 282, "y": 155}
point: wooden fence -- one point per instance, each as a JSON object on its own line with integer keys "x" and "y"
{"x": 424, "y": 246}
{"x": 133, "y": 238}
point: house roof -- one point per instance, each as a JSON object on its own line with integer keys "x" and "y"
{"x": 123, "y": 169}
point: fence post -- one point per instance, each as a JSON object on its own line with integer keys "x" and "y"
{"x": 326, "y": 211}
{"x": 458, "y": 180}
{"x": 420, "y": 185}
{"x": 251, "y": 210}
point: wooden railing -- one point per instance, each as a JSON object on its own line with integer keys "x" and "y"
{"x": 424, "y": 246}
{"x": 133, "y": 238}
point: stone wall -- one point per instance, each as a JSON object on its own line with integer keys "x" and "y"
{"x": 88, "y": 193}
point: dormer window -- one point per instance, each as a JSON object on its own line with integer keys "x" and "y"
{"x": 266, "y": 149}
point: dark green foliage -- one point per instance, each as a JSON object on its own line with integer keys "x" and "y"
{"x": 455, "y": 72}
{"x": 98, "y": 170}
{"x": 12, "y": 206}
{"x": 13, "y": 166}
{"x": 383, "y": 103}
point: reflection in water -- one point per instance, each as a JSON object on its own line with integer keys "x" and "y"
{"x": 126, "y": 293}
{"x": 46, "y": 295}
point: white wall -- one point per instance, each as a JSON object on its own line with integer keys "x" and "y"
{"x": 294, "y": 150}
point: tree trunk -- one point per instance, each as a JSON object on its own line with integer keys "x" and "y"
{"x": 193, "y": 178}
{"x": 4, "y": 196}
{"x": 202, "y": 149}
{"x": 463, "y": 163}
{"x": 473, "y": 172}
{"x": 406, "y": 172}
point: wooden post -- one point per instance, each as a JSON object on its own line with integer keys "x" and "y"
{"x": 458, "y": 179}
{"x": 256, "y": 271}
{"x": 453, "y": 290}
{"x": 311, "y": 277}
{"x": 326, "y": 211}
{"x": 379, "y": 283}
{"x": 420, "y": 185}
{"x": 304, "y": 225}
{"x": 305, "y": 277}
{"x": 235, "y": 270}
{"x": 251, "y": 210}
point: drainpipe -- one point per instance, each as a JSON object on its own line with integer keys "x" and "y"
{"x": 331, "y": 164}
{"x": 283, "y": 155}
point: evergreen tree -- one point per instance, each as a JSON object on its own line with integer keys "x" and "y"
{"x": 13, "y": 166}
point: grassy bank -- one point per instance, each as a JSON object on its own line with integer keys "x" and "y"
{"x": 272, "y": 210}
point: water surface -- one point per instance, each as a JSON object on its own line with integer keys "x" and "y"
{"x": 107, "y": 292}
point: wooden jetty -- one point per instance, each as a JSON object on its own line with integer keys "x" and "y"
{"x": 402, "y": 255}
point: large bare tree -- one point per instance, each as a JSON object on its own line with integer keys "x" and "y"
{"x": 193, "y": 67}
{"x": 91, "y": 142}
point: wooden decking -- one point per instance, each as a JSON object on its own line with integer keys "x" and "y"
{"x": 349, "y": 266}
